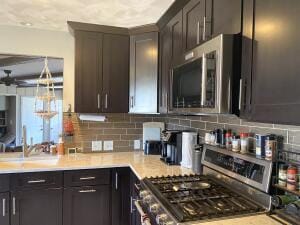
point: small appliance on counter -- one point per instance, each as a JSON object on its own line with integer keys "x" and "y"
{"x": 197, "y": 167}
{"x": 171, "y": 152}
{"x": 189, "y": 140}
{"x": 152, "y": 147}
{"x": 152, "y": 131}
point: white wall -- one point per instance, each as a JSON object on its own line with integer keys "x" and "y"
{"x": 30, "y": 41}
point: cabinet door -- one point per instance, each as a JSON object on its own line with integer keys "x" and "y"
{"x": 36, "y": 207}
{"x": 176, "y": 32}
{"x": 4, "y": 208}
{"x": 193, "y": 24}
{"x": 164, "y": 69}
{"x": 121, "y": 196}
{"x": 88, "y": 71}
{"x": 276, "y": 62}
{"x": 115, "y": 73}
{"x": 87, "y": 205}
{"x": 143, "y": 73}
{"x": 246, "y": 69}
{"x": 226, "y": 17}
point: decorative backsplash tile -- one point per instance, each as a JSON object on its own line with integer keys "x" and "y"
{"x": 124, "y": 128}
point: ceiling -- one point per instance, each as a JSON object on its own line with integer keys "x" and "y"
{"x": 53, "y": 14}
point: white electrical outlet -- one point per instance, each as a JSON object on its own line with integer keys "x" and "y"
{"x": 137, "y": 144}
{"x": 108, "y": 145}
{"x": 96, "y": 146}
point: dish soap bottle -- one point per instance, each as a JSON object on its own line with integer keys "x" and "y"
{"x": 60, "y": 146}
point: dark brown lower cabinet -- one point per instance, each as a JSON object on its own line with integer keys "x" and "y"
{"x": 36, "y": 207}
{"x": 121, "y": 196}
{"x": 89, "y": 205}
{"x": 4, "y": 210}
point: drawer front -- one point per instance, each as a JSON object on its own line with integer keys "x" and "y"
{"x": 4, "y": 183}
{"x": 87, "y": 177}
{"x": 37, "y": 180}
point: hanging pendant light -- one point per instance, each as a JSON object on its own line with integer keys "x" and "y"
{"x": 45, "y": 95}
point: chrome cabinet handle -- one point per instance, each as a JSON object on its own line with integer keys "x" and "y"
{"x": 3, "y": 207}
{"x": 98, "y": 101}
{"x": 116, "y": 181}
{"x": 131, "y": 102}
{"x": 204, "y": 78}
{"x": 142, "y": 213}
{"x": 14, "y": 206}
{"x": 36, "y": 181}
{"x": 198, "y": 32}
{"x": 132, "y": 209}
{"x": 87, "y": 191}
{"x": 240, "y": 94}
{"x": 87, "y": 178}
{"x": 204, "y": 29}
{"x": 106, "y": 101}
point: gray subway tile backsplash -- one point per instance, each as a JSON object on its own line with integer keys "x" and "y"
{"x": 123, "y": 129}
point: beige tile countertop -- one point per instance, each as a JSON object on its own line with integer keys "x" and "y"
{"x": 143, "y": 166}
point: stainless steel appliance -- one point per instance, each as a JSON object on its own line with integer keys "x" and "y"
{"x": 232, "y": 185}
{"x": 171, "y": 147}
{"x": 203, "y": 84}
{"x": 197, "y": 167}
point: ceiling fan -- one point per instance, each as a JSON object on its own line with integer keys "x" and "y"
{"x": 8, "y": 80}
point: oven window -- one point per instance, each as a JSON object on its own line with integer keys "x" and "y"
{"x": 187, "y": 85}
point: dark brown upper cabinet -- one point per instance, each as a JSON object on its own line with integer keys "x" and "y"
{"x": 115, "y": 89}
{"x": 176, "y": 36}
{"x": 226, "y": 16}
{"x": 193, "y": 24}
{"x": 245, "y": 97}
{"x": 88, "y": 71}
{"x": 275, "y": 72}
{"x": 101, "y": 68}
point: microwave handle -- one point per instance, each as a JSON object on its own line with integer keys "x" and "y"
{"x": 204, "y": 80}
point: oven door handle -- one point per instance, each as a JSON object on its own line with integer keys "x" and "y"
{"x": 144, "y": 217}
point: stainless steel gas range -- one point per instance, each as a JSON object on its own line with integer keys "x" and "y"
{"x": 232, "y": 185}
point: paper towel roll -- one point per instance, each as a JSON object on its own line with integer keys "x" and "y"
{"x": 92, "y": 117}
{"x": 189, "y": 140}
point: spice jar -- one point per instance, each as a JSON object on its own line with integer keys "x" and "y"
{"x": 282, "y": 175}
{"x": 236, "y": 143}
{"x": 260, "y": 145}
{"x": 270, "y": 146}
{"x": 244, "y": 143}
{"x": 228, "y": 140}
{"x": 60, "y": 146}
{"x": 291, "y": 178}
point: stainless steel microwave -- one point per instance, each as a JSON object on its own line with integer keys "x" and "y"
{"x": 202, "y": 84}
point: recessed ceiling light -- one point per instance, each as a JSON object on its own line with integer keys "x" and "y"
{"x": 28, "y": 24}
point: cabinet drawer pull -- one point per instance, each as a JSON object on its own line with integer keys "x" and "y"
{"x": 131, "y": 102}
{"x": 98, "y": 101}
{"x": 240, "y": 94}
{"x": 87, "y": 178}
{"x": 14, "y": 206}
{"x": 3, "y": 207}
{"x": 132, "y": 200}
{"x": 36, "y": 181}
{"x": 198, "y": 33}
{"x": 204, "y": 29}
{"x": 87, "y": 191}
{"x": 116, "y": 181}
{"x": 106, "y": 101}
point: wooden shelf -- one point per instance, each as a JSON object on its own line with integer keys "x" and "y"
{"x": 285, "y": 189}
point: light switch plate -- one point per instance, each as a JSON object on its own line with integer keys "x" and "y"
{"x": 137, "y": 144}
{"x": 96, "y": 146}
{"x": 108, "y": 145}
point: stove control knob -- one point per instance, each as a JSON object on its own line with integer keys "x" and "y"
{"x": 161, "y": 218}
{"x": 144, "y": 193}
{"x": 154, "y": 208}
{"x": 147, "y": 198}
